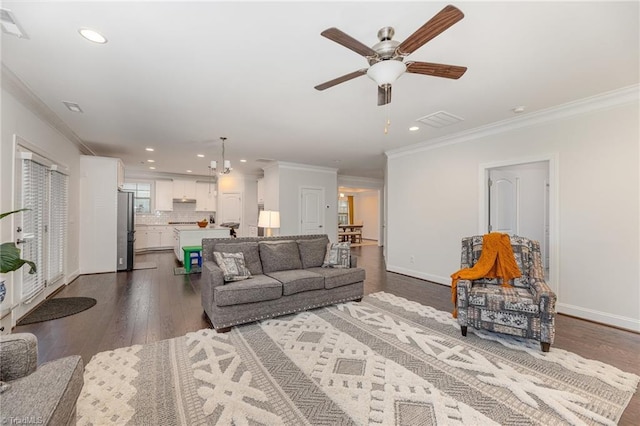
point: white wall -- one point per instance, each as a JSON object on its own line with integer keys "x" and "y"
{"x": 433, "y": 199}
{"x": 283, "y": 182}
{"x": 246, "y": 186}
{"x": 366, "y": 209}
{"x": 48, "y": 142}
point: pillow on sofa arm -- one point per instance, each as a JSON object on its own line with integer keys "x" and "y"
{"x": 232, "y": 265}
{"x": 338, "y": 255}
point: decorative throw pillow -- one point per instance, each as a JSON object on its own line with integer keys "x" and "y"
{"x": 232, "y": 265}
{"x": 338, "y": 255}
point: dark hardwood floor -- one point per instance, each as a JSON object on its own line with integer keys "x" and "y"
{"x": 149, "y": 305}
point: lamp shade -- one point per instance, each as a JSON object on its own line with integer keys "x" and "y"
{"x": 269, "y": 219}
{"x": 386, "y": 72}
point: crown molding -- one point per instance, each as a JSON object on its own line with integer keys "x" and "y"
{"x": 602, "y": 101}
{"x": 304, "y": 167}
{"x": 357, "y": 181}
{"x": 12, "y": 84}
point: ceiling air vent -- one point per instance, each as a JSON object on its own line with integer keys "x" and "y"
{"x": 440, "y": 119}
{"x": 264, "y": 160}
{"x": 10, "y": 24}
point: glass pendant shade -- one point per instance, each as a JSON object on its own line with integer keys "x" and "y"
{"x": 386, "y": 72}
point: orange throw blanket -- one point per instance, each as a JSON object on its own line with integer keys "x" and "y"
{"x": 496, "y": 261}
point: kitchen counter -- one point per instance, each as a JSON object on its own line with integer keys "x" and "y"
{"x": 192, "y": 235}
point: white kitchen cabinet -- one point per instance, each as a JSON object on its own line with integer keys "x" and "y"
{"x": 164, "y": 195}
{"x": 193, "y": 237}
{"x": 184, "y": 189}
{"x": 141, "y": 240}
{"x": 151, "y": 237}
{"x": 166, "y": 237}
{"x": 205, "y": 197}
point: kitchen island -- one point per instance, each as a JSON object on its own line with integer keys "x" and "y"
{"x": 192, "y": 236}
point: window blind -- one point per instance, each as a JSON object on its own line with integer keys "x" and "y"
{"x": 58, "y": 190}
{"x": 34, "y": 198}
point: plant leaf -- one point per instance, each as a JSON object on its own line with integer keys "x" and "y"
{"x": 10, "y": 259}
{"x": 8, "y": 213}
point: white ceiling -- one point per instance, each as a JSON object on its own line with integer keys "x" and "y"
{"x": 178, "y": 75}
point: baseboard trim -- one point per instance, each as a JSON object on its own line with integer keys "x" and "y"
{"x": 417, "y": 274}
{"x": 72, "y": 276}
{"x": 618, "y": 321}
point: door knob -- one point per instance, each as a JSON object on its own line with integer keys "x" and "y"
{"x": 21, "y": 241}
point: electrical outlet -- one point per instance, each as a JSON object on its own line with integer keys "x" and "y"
{"x": 120, "y": 262}
{"x": 412, "y": 259}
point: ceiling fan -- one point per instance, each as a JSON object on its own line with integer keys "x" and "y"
{"x": 386, "y": 58}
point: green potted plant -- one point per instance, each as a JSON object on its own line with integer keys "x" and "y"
{"x": 10, "y": 259}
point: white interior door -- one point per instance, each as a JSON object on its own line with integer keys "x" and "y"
{"x": 231, "y": 207}
{"x": 311, "y": 211}
{"x": 504, "y": 192}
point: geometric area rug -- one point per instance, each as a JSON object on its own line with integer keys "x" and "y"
{"x": 382, "y": 361}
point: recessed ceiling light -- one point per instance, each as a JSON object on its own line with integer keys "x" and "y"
{"x": 518, "y": 109}
{"x": 149, "y": 149}
{"x": 152, "y": 168}
{"x": 72, "y": 106}
{"x": 189, "y": 171}
{"x": 243, "y": 160}
{"x": 200, "y": 155}
{"x": 92, "y": 35}
{"x": 414, "y": 128}
{"x": 151, "y": 161}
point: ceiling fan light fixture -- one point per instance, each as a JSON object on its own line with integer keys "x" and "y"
{"x": 386, "y": 72}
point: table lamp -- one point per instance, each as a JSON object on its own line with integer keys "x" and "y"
{"x": 269, "y": 219}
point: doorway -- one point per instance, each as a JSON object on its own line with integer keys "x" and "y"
{"x": 363, "y": 207}
{"x": 519, "y": 198}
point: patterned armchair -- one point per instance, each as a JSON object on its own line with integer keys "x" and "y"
{"x": 526, "y": 310}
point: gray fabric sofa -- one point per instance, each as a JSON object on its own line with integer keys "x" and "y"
{"x": 44, "y": 395}
{"x": 286, "y": 276}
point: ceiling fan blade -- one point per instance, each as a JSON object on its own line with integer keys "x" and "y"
{"x": 347, "y": 41}
{"x": 384, "y": 95}
{"x": 436, "y": 25}
{"x": 436, "y": 70}
{"x": 342, "y": 79}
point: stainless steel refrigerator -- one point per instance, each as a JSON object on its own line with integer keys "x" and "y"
{"x": 126, "y": 232}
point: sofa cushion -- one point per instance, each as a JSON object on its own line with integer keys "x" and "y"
{"x": 248, "y": 249}
{"x": 338, "y": 277}
{"x": 279, "y": 256}
{"x": 338, "y": 256}
{"x": 298, "y": 280}
{"x": 312, "y": 251}
{"x": 259, "y": 288}
{"x": 232, "y": 265}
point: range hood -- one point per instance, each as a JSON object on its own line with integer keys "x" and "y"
{"x": 184, "y": 200}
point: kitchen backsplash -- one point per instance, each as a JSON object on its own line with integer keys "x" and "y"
{"x": 182, "y": 212}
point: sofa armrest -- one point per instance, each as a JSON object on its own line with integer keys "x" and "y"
{"x": 214, "y": 278}
{"x": 543, "y": 295}
{"x": 18, "y": 355}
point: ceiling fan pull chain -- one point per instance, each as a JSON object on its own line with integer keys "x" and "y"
{"x": 387, "y": 107}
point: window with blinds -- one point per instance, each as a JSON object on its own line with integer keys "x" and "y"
{"x": 57, "y": 225}
{"x": 44, "y": 226}
{"x": 34, "y": 198}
